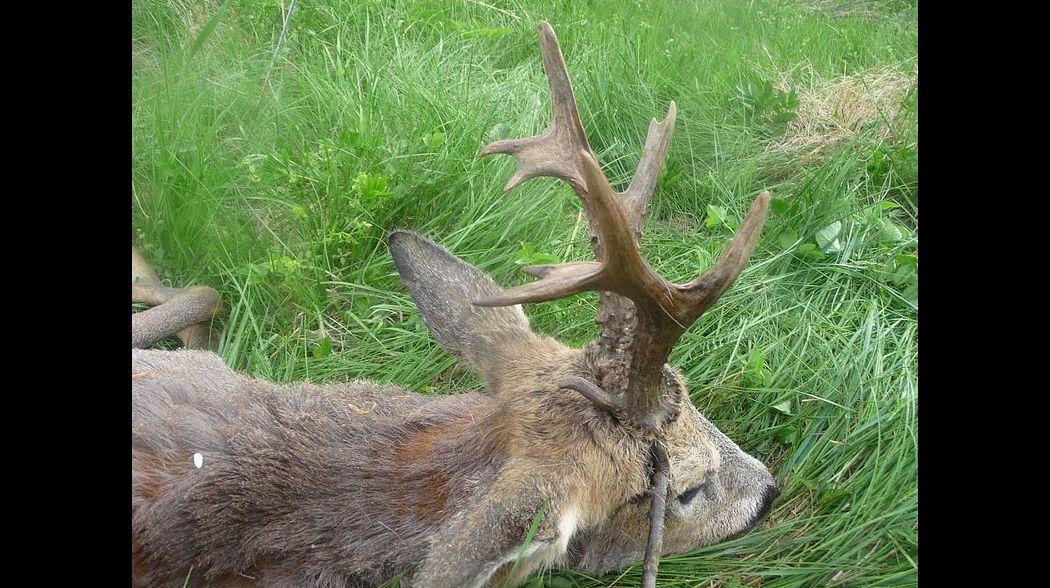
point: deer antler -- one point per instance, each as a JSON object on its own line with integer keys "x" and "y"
{"x": 186, "y": 312}
{"x": 640, "y": 312}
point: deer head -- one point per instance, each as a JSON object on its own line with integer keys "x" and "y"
{"x": 639, "y": 404}
{"x": 598, "y": 451}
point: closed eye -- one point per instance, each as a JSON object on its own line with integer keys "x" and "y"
{"x": 687, "y": 496}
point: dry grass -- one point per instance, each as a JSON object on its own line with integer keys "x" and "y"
{"x": 862, "y": 9}
{"x": 831, "y": 112}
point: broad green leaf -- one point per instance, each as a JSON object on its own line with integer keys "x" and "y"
{"x": 810, "y": 250}
{"x": 902, "y": 274}
{"x": 528, "y": 256}
{"x": 832, "y": 496}
{"x": 755, "y": 360}
{"x": 543, "y": 259}
{"x": 323, "y": 350}
{"x": 788, "y": 434}
{"x": 911, "y": 294}
{"x": 779, "y": 205}
{"x": 784, "y": 407}
{"x": 889, "y": 231}
{"x": 908, "y": 260}
{"x": 716, "y": 215}
{"x": 827, "y": 237}
{"x": 434, "y": 140}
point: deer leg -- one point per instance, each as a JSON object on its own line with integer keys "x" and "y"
{"x": 186, "y": 312}
{"x": 483, "y": 546}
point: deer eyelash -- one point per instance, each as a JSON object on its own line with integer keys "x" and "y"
{"x": 687, "y": 496}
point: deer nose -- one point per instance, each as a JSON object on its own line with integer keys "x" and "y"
{"x": 768, "y": 497}
{"x": 765, "y": 504}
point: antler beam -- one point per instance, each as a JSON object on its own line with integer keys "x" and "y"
{"x": 640, "y": 311}
{"x": 183, "y": 311}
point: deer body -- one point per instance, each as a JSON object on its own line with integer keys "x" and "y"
{"x": 365, "y": 476}
{"x": 301, "y": 474}
{"x": 252, "y": 483}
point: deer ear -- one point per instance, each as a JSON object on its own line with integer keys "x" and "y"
{"x": 444, "y": 287}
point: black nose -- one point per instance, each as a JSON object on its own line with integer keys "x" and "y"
{"x": 767, "y": 501}
{"x": 763, "y": 507}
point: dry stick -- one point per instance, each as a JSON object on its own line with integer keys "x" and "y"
{"x": 657, "y": 510}
{"x": 280, "y": 40}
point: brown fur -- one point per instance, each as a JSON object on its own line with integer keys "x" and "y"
{"x": 354, "y": 485}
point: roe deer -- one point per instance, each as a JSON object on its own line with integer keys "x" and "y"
{"x": 251, "y": 483}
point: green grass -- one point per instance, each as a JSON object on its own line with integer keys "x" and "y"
{"x": 279, "y": 195}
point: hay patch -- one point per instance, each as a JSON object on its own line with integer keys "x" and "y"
{"x": 833, "y": 111}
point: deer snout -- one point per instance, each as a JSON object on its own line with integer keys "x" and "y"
{"x": 764, "y": 506}
{"x": 763, "y": 503}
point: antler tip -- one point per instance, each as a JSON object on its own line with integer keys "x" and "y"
{"x": 762, "y": 201}
{"x": 672, "y": 110}
{"x": 503, "y": 146}
{"x": 488, "y": 301}
{"x": 518, "y": 177}
{"x": 549, "y": 45}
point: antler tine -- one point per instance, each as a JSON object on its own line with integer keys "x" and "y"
{"x": 558, "y": 281}
{"x": 636, "y": 197}
{"x": 549, "y": 154}
{"x": 187, "y": 311}
{"x": 704, "y": 290}
{"x": 564, "y": 152}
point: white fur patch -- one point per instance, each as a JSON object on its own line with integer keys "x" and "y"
{"x": 198, "y": 460}
{"x": 566, "y": 528}
{"x": 540, "y": 554}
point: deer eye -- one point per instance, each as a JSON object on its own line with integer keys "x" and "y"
{"x": 687, "y": 496}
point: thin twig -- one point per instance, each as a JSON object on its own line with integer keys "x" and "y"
{"x": 657, "y": 511}
{"x": 280, "y": 41}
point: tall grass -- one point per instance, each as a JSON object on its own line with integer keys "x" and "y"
{"x": 275, "y": 179}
